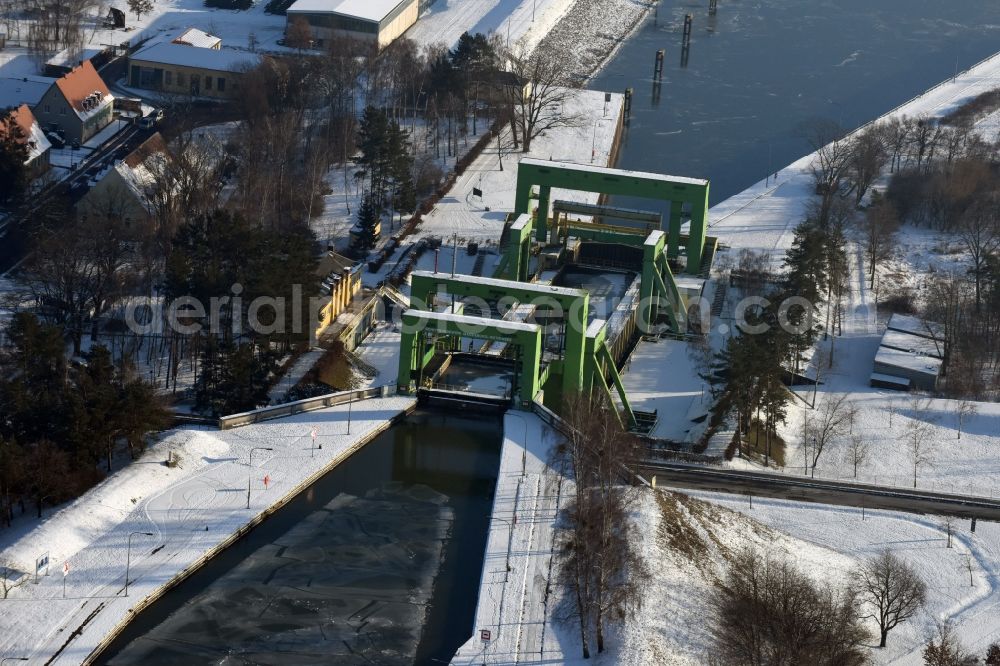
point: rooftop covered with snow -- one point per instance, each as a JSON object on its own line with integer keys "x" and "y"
{"x": 198, "y": 38}
{"x": 364, "y": 10}
{"x": 620, "y": 173}
{"x": 217, "y": 60}
{"x": 15, "y": 91}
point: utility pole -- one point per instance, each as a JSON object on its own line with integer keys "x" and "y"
{"x": 250, "y": 468}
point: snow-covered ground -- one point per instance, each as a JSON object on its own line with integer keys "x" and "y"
{"x": 523, "y": 22}
{"x": 381, "y": 351}
{"x": 190, "y": 509}
{"x": 513, "y": 605}
{"x": 460, "y": 213}
{"x": 921, "y": 541}
{"x": 661, "y": 376}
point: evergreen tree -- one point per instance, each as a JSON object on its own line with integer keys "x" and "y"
{"x": 367, "y": 226}
{"x": 13, "y": 158}
{"x": 376, "y": 156}
{"x": 402, "y": 169}
{"x": 806, "y": 263}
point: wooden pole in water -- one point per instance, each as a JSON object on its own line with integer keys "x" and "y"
{"x": 713, "y": 7}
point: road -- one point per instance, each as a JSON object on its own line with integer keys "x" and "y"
{"x": 762, "y": 484}
{"x": 15, "y": 234}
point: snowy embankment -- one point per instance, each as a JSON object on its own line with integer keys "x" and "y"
{"x": 963, "y": 581}
{"x": 763, "y": 219}
{"x": 191, "y": 510}
{"x": 687, "y": 544}
{"x": 524, "y": 22}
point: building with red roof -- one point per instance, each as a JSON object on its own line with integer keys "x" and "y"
{"x": 79, "y": 104}
{"x": 31, "y": 135}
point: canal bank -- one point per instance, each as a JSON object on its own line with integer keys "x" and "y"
{"x": 163, "y": 521}
{"x": 375, "y": 562}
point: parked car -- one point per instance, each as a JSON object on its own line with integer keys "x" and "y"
{"x": 151, "y": 119}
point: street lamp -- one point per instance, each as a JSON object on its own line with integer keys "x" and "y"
{"x": 128, "y": 556}
{"x": 510, "y": 538}
{"x": 524, "y": 445}
{"x": 250, "y": 468}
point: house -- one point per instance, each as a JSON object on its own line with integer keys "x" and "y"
{"x": 910, "y": 355}
{"x": 79, "y": 104}
{"x": 341, "y": 280}
{"x": 190, "y": 70}
{"x": 502, "y": 87}
{"x": 32, "y": 135}
{"x": 381, "y": 21}
{"x": 129, "y": 191}
{"x": 199, "y": 39}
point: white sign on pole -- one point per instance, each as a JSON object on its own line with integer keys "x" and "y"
{"x": 42, "y": 563}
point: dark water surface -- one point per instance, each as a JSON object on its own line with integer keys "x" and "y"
{"x": 760, "y": 68}
{"x": 378, "y": 562}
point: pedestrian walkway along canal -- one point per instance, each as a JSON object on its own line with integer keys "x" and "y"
{"x": 377, "y": 562}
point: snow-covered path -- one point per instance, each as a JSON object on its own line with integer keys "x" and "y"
{"x": 189, "y": 511}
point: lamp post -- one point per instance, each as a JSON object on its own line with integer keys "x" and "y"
{"x": 510, "y": 538}
{"x": 524, "y": 445}
{"x": 6, "y": 659}
{"x": 128, "y": 556}
{"x": 250, "y": 468}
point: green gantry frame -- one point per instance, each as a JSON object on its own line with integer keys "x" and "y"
{"x": 421, "y": 329}
{"x": 678, "y": 191}
{"x": 574, "y": 304}
{"x": 658, "y": 289}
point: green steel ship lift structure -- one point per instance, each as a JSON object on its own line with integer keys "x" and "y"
{"x": 441, "y": 316}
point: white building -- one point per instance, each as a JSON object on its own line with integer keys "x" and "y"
{"x": 379, "y": 20}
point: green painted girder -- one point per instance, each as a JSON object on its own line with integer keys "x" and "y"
{"x": 574, "y": 304}
{"x": 419, "y": 325}
{"x": 679, "y": 191}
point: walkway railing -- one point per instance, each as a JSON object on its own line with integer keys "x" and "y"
{"x": 306, "y": 405}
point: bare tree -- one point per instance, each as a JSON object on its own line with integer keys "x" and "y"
{"x": 948, "y": 523}
{"x": 979, "y": 230}
{"x": 542, "y": 84}
{"x": 766, "y": 612}
{"x": 945, "y": 649}
{"x": 868, "y": 157}
{"x": 878, "y": 227}
{"x": 598, "y": 559}
{"x": 299, "y": 34}
{"x": 966, "y": 410}
{"x": 833, "y": 155}
{"x": 892, "y": 589}
{"x": 923, "y": 138}
{"x": 140, "y": 7}
{"x": 917, "y": 436}
{"x": 829, "y": 425}
{"x": 9, "y": 578}
{"x": 857, "y": 452}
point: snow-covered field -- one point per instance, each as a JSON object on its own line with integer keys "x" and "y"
{"x": 190, "y": 509}
{"x": 921, "y": 541}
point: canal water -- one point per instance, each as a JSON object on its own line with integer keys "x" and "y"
{"x": 377, "y": 563}
{"x": 759, "y": 70}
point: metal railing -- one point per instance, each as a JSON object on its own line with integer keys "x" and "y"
{"x": 306, "y": 405}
